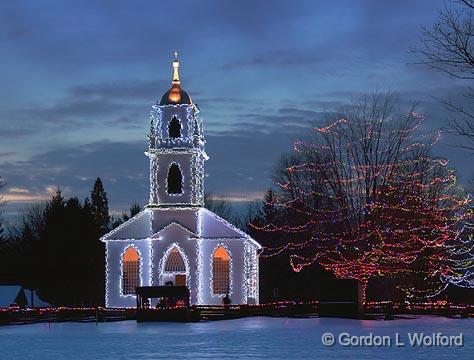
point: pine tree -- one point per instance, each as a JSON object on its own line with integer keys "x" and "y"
{"x": 57, "y": 201}
{"x": 270, "y": 211}
{"x": 1, "y": 204}
{"x": 219, "y": 207}
{"x": 2, "y": 235}
{"x": 135, "y": 209}
{"x": 87, "y": 205}
{"x": 100, "y": 206}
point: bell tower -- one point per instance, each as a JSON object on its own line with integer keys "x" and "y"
{"x": 176, "y": 148}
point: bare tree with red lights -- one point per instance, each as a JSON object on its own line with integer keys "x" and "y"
{"x": 359, "y": 192}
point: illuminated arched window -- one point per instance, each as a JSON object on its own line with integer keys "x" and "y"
{"x": 175, "y": 262}
{"x": 130, "y": 271}
{"x": 174, "y": 128}
{"x": 175, "y": 179}
{"x": 221, "y": 271}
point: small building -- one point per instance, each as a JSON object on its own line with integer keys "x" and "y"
{"x": 175, "y": 240}
{"x": 33, "y": 300}
{"x": 12, "y": 294}
{"x": 24, "y": 298}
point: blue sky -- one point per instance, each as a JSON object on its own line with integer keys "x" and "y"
{"x": 78, "y": 79}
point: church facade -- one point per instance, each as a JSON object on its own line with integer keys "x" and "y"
{"x": 175, "y": 240}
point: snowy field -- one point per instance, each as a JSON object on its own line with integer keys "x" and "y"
{"x": 249, "y": 338}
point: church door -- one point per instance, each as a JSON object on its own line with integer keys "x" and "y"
{"x": 180, "y": 280}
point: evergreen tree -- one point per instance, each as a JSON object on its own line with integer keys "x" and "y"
{"x": 119, "y": 220}
{"x": 56, "y": 250}
{"x": 100, "y": 206}
{"x": 278, "y": 281}
{"x": 219, "y": 207}
{"x": 2, "y": 203}
{"x": 68, "y": 257}
{"x": 87, "y": 205}
{"x": 270, "y": 211}
{"x": 135, "y": 209}
{"x": 57, "y": 201}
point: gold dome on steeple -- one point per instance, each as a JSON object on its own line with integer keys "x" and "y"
{"x": 175, "y": 95}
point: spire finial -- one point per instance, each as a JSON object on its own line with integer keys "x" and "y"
{"x": 176, "y": 68}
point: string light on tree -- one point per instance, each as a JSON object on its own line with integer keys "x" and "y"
{"x": 364, "y": 197}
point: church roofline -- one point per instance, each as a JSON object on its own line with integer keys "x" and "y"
{"x": 237, "y": 230}
{"x": 173, "y": 223}
{"x": 185, "y": 207}
{"x": 173, "y": 206}
{"x": 107, "y": 236}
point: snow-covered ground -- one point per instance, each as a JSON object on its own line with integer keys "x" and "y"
{"x": 249, "y": 338}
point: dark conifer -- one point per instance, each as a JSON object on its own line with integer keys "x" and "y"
{"x": 100, "y": 206}
{"x": 135, "y": 209}
{"x": 2, "y": 238}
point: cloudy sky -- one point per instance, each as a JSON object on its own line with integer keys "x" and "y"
{"x": 78, "y": 79}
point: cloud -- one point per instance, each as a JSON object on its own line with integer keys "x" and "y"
{"x": 7, "y": 154}
{"x": 122, "y": 105}
{"x": 79, "y": 82}
{"x": 278, "y": 58}
{"x": 130, "y": 90}
{"x": 241, "y": 170}
{"x": 22, "y": 194}
{"x": 18, "y": 33}
{"x": 122, "y": 166}
{"x": 18, "y": 190}
{"x": 242, "y": 161}
{"x": 23, "y": 198}
{"x": 240, "y": 198}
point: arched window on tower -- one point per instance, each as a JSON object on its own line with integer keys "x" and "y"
{"x": 175, "y": 180}
{"x": 174, "y": 128}
{"x": 221, "y": 271}
{"x": 130, "y": 271}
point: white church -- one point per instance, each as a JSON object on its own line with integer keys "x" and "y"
{"x": 175, "y": 240}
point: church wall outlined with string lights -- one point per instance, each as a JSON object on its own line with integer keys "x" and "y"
{"x": 175, "y": 240}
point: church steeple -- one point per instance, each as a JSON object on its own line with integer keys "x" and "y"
{"x": 176, "y": 149}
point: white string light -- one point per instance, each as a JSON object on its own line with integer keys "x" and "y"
{"x": 145, "y": 231}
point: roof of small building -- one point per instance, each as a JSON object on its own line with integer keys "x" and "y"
{"x": 33, "y": 300}
{"x": 199, "y": 222}
{"x": 8, "y": 294}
